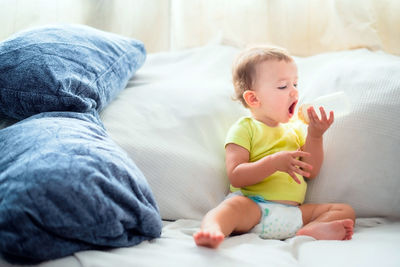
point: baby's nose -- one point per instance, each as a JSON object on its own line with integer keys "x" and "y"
{"x": 294, "y": 92}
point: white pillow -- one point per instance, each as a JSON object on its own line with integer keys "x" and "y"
{"x": 361, "y": 165}
{"x": 172, "y": 120}
{"x": 173, "y": 116}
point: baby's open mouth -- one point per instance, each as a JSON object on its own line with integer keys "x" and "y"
{"x": 292, "y": 107}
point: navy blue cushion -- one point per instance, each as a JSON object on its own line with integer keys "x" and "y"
{"x": 64, "y": 68}
{"x": 65, "y": 186}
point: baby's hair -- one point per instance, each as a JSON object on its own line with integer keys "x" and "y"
{"x": 243, "y": 71}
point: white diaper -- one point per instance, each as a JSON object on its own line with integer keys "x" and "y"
{"x": 278, "y": 221}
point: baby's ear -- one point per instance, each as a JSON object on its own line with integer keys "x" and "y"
{"x": 251, "y": 98}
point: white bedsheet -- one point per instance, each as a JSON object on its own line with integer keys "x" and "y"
{"x": 376, "y": 242}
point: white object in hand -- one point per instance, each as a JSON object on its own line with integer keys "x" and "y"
{"x": 337, "y": 102}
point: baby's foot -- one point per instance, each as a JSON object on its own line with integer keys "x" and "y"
{"x": 335, "y": 230}
{"x": 210, "y": 239}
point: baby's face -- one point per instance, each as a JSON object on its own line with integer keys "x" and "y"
{"x": 276, "y": 90}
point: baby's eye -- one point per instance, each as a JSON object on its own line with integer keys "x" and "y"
{"x": 295, "y": 85}
{"x": 282, "y": 87}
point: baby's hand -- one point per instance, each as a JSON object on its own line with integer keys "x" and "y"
{"x": 317, "y": 126}
{"x": 287, "y": 161}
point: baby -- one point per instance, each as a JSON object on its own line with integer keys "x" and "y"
{"x": 267, "y": 156}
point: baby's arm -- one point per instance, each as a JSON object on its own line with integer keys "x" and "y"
{"x": 314, "y": 141}
{"x": 242, "y": 173}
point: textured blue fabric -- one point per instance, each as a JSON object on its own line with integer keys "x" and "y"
{"x": 64, "y": 68}
{"x": 65, "y": 186}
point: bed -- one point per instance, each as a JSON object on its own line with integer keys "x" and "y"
{"x": 170, "y": 118}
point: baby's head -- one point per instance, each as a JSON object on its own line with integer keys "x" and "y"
{"x": 244, "y": 68}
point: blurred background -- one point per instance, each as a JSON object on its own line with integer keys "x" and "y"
{"x": 165, "y": 25}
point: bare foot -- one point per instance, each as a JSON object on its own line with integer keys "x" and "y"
{"x": 210, "y": 239}
{"x": 335, "y": 230}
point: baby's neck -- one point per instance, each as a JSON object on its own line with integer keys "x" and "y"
{"x": 266, "y": 120}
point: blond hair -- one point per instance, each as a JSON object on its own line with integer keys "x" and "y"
{"x": 243, "y": 71}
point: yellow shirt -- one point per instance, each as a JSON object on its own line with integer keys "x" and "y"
{"x": 261, "y": 140}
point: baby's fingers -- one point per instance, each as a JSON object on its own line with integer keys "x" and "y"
{"x": 303, "y": 165}
{"x": 302, "y": 172}
{"x": 331, "y": 118}
{"x": 294, "y": 177}
{"x": 300, "y": 154}
{"x": 324, "y": 116}
{"x": 312, "y": 115}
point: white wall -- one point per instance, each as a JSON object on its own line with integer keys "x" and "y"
{"x": 147, "y": 20}
{"x": 305, "y": 27}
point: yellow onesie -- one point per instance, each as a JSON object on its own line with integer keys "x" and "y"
{"x": 261, "y": 140}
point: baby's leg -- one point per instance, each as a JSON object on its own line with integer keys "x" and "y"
{"x": 237, "y": 214}
{"x": 327, "y": 221}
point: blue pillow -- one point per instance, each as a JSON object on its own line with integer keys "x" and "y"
{"x": 64, "y": 68}
{"x": 65, "y": 186}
